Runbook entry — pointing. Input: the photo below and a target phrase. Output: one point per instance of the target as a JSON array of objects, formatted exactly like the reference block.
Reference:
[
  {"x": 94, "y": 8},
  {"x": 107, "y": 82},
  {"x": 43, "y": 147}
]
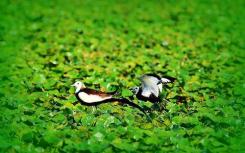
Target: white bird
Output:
[{"x": 151, "y": 87}]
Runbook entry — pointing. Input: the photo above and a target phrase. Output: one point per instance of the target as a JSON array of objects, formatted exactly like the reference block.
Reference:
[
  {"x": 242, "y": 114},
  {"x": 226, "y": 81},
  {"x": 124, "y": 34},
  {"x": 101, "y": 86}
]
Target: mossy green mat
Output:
[{"x": 47, "y": 45}]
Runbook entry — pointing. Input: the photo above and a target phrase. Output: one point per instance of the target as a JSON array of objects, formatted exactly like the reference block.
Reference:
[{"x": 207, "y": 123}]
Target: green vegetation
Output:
[{"x": 47, "y": 45}]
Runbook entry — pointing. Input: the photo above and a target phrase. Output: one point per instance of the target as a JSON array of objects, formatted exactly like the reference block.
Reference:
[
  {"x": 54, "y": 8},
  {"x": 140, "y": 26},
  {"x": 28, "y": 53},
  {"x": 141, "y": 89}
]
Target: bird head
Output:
[
  {"x": 135, "y": 90},
  {"x": 78, "y": 85}
]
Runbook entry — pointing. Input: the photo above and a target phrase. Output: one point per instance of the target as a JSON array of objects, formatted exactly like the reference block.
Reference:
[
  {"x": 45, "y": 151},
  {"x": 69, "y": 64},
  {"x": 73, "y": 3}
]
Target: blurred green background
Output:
[{"x": 46, "y": 45}]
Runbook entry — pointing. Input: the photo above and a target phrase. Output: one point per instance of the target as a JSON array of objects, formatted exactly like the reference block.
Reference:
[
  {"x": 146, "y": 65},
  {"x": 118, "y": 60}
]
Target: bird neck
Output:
[
  {"x": 138, "y": 90},
  {"x": 78, "y": 89}
]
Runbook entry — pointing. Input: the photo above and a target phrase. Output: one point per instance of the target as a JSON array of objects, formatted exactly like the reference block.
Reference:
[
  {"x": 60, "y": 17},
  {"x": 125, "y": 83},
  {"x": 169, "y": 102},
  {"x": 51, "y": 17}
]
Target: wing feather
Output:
[{"x": 150, "y": 85}]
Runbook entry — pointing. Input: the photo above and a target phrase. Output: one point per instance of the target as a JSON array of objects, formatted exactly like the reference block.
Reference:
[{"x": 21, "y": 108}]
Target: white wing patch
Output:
[
  {"x": 164, "y": 80},
  {"x": 146, "y": 92},
  {"x": 150, "y": 89},
  {"x": 152, "y": 85},
  {"x": 150, "y": 80},
  {"x": 155, "y": 90},
  {"x": 91, "y": 98},
  {"x": 160, "y": 87},
  {"x": 149, "y": 85}
]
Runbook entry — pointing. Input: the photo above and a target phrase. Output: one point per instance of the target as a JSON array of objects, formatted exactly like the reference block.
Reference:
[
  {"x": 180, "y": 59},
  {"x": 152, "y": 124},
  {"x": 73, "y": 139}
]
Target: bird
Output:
[
  {"x": 151, "y": 87},
  {"x": 91, "y": 97}
]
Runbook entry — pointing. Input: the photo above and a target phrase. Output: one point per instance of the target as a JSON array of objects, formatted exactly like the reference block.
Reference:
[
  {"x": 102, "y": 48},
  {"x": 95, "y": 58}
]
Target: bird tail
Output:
[{"x": 130, "y": 103}]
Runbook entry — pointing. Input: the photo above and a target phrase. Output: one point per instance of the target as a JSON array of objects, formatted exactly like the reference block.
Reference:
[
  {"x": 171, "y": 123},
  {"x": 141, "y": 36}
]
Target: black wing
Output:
[
  {"x": 172, "y": 79},
  {"x": 153, "y": 75}
]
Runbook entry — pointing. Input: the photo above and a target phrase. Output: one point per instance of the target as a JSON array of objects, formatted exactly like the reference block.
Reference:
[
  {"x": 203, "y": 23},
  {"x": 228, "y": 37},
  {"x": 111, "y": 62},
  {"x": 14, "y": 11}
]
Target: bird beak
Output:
[{"x": 73, "y": 85}]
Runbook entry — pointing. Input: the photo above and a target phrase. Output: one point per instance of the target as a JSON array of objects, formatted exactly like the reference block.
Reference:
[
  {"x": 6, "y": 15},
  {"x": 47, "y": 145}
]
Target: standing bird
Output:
[
  {"x": 91, "y": 97},
  {"x": 151, "y": 87}
]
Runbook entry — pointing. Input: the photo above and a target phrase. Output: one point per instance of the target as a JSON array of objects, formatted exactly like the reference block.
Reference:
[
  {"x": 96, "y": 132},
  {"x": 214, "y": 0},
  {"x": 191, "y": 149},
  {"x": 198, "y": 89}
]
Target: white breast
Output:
[
  {"x": 160, "y": 87},
  {"x": 146, "y": 92},
  {"x": 91, "y": 98}
]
